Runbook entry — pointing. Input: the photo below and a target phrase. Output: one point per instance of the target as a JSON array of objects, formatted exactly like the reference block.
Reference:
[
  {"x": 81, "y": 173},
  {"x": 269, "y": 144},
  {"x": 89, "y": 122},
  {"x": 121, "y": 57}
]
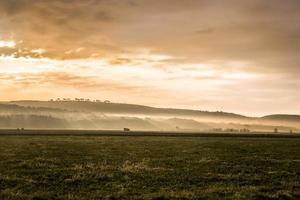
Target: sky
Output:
[{"x": 235, "y": 56}]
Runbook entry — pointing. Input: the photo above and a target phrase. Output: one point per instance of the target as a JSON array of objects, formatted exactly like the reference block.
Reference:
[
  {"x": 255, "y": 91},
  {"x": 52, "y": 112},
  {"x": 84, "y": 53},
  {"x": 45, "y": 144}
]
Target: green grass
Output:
[{"x": 89, "y": 167}]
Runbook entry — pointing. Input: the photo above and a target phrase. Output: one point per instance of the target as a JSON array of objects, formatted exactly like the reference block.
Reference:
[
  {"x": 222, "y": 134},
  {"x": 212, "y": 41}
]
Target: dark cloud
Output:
[
  {"x": 58, "y": 26},
  {"x": 12, "y": 7}
]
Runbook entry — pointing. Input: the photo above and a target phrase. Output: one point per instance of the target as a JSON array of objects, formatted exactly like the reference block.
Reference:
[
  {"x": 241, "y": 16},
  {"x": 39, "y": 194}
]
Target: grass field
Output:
[{"x": 91, "y": 167}]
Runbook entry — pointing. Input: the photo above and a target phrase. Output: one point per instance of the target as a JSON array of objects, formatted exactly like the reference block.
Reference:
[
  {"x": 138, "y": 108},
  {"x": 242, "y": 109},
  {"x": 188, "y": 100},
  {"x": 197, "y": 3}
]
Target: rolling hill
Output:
[{"x": 101, "y": 115}]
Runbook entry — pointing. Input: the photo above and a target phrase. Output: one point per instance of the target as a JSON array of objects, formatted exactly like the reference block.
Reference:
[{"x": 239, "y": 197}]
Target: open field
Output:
[
  {"x": 161, "y": 167},
  {"x": 70, "y": 132}
]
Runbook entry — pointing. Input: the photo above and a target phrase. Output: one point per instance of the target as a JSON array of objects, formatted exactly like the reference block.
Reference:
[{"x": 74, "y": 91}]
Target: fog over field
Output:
[{"x": 87, "y": 114}]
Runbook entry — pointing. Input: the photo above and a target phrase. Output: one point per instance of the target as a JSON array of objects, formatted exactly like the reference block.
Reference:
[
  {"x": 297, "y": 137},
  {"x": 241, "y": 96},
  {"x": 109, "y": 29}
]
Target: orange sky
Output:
[{"x": 237, "y": 56}]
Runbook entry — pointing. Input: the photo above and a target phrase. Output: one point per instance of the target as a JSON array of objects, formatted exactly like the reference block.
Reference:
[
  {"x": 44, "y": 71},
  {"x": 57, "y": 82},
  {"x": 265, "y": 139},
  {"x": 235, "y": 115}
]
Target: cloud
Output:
[
  {"x": 85, "y": 83},
  {"x": 47, "y": 85},
  {"x": 254, "y": 31},
  {"x": 7, "y": 44},
  {"x": 57, "y": 26},
  {"x": 205, "y": 31},
  {"x": 12, "y": 7},
  {"x": 163, "y": 43}
]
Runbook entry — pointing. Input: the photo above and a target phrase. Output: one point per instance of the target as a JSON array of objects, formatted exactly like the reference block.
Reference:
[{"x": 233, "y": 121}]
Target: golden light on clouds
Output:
[
  {"x": 8, "y": 44},
  {"x": 238, "y": 56}
]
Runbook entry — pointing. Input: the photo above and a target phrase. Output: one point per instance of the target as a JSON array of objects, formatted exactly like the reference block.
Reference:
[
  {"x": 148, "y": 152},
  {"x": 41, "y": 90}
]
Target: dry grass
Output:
[{"x": 87, "y": 167}]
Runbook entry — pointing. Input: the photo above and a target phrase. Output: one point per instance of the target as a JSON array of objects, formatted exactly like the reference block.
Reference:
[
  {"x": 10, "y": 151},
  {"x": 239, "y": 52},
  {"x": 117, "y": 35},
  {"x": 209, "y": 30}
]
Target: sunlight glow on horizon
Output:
[{"x": 139, "y": 83}]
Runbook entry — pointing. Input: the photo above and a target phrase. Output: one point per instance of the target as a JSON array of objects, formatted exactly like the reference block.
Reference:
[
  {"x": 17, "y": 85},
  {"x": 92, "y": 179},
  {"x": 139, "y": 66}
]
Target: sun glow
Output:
[{"x": 8, "y": 44}]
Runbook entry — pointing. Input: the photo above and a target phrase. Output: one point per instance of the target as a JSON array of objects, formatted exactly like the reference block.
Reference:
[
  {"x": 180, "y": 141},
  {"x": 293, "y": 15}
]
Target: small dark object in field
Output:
[
  {"x": 275, "y": 130},
  {"x": 231, "y": 130},
  {"x": 126, "y": 129}
]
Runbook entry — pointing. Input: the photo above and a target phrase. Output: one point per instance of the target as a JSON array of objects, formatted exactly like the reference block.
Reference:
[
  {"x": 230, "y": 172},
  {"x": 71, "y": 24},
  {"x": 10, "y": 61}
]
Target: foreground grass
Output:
[{"x": 78, "y": 167}]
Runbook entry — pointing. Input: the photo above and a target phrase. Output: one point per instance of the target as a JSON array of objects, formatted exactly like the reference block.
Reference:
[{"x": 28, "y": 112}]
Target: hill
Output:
[
  {"x": 282, "y": 117},
  {"x": 101, "y": 115},
  {"x": 121, "y": 108}
]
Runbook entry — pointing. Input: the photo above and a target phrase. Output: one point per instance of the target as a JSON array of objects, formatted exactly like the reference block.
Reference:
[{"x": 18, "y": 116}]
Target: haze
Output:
[{"x": 235, "y": 56}]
